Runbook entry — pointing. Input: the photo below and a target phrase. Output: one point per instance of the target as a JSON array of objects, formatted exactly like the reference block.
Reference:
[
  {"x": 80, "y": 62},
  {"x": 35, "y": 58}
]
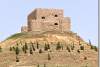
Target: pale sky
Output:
[{"x": 83, "y": 13}]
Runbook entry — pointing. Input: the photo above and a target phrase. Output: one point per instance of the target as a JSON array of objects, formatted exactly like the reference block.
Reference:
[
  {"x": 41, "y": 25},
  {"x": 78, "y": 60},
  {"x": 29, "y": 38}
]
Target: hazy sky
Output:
[{"x": 83, "y": 13}]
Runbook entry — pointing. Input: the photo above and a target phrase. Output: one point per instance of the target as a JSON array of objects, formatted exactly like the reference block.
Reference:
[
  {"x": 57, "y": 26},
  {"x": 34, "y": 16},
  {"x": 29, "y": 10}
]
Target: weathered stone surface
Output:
[{"x": 43, "y": 20}]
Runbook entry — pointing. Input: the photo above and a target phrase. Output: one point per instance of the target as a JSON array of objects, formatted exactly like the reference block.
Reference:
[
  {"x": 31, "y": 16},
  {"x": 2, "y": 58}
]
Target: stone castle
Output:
[{"x": 42, "y": 20}]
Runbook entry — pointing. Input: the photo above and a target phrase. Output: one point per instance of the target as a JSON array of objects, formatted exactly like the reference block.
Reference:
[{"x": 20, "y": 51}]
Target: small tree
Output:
[
  {"x": 72, "y": 47},
  {"x": 17, "y": 44},
  {"x": 45, "y": 47},
  {"x": 33, "y": 47},
  {"x": 81, "y": 47},
  {"x": 21, "y": 43},
  {"x": 10, "y": 49},
  {"x": 31, "y": 52},
  {"x": 40, "y": 51},
  {"x": 80, "y": 43},
  {"x": 26, "y": 47},
  {"x": 68, "y": 49},
  {"x": 0, "y": 49},
  {"x": 38, "y": 65},
  {"x": 89, "y": 42},
  {"x": 49, "y": 57},
  {"x": 78, "y": 51},
  {"x": 14, "y": 48},
  {"x": 85, "y": 58},
  {"x": 37, "y": 45},
  {"x": 44, "y": 65},
  {"x": 92, "y": 47},
  {"x": 58, "y": 47},
  {"x": 24, "y": 50},
  {"x": 17, "y": 59},
  {"x": 48, "y": 46},
  {"x": 96, "y": 49},
  {"x": 17, "y": 50},
  {"x": 62, "y": 47}
]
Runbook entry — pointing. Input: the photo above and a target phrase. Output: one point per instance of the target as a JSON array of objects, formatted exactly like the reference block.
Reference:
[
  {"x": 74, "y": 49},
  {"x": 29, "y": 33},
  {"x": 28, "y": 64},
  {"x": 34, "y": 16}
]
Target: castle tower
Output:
[{"x": 42, "y": 20}]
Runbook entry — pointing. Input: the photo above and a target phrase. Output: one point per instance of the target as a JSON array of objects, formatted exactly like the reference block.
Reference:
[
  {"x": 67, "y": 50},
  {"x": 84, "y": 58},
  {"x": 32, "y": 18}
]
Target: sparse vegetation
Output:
[
  {"x": 67, "y": 48},
  {"x": 24, "y": 50},
  {"x": 11, "y": 49},
  {"x": 33, "y": 47},
  {"x": 26, "y": 47},
  {"x": 58, "y": 47},
  {"x": 90, "y": 42},
  {"x": 49, "y": 57},
  {"x": 94, "y": 48},
  {"x": 44, "y": 65},
  {"x": 78, "y": 51},
  {"x": 17, "y": 59},
  {"x": 46, "y": 47},
  {"x": 37, "y": 44},
  {"x": 72, "y": 47},
  {"x": 16, "y": 35},
  {"x": 17, "y": 50},
  {"x": 0, "y": 49},
  {"x": 31, "y": 52},
  {"x": 81, "y": 47},
  {"x": 38, "y": 65},
  {"x": 85, "y": 58},
  {"x": 40, "y": 51}
]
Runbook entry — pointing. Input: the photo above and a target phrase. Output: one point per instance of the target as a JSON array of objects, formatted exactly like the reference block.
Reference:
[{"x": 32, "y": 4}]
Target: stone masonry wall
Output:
[
  {"x": 48, "y": 20},
  {"x": 24, "y": 29}
]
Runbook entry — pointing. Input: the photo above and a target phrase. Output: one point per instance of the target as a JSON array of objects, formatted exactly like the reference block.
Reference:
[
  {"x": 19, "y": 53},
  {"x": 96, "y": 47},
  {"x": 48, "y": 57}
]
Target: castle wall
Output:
[
  {"x": 49, "y": 13},
  {"x": 48, "y": 20},
  {"x": 66, "y": 24},
  {"x": 24, "y": 29},
  {"x": 35, "y": 25},
  {"x": 32, "y": 15},
  {"x": 50, "y": 25}
]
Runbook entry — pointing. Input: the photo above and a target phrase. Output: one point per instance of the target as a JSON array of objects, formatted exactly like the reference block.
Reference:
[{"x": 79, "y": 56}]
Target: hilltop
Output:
[
  {"x": 47, "y": 41},
  {"x": 72, "y": 52}
]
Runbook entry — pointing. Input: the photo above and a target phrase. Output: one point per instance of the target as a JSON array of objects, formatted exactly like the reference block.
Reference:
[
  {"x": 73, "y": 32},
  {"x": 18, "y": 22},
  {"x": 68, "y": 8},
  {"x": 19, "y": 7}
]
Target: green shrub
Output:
[
  {"x": 46, "y": 47},
  {"x": 94, "y": 47},
  {"x": 81, "y": 47},
  {"x": 24, "y": 50},
  {"x": 26, "y": 47},
  {"x": 78, "y": 51},
  {"x": 0, "y": 49},
  {"x": 72, "y": 47},
  {"x": 17, "y": 50},
  {"x": 67, "y": 48},
  {"x": 49, "y": 57},
  {"x": 31, "y": 52},
  {"x": 40, "y": 51},
  {"x": 33, "y": 47},
  {"x": 17, "y": 59},
  {"x": 44, "y": 65},
  {"x": 37, "y": 45},
  {"x": 38, "y": 65},
  {"x": 85, "y": 58},
  {"x": 58, "y": 47},
  {"x": 10, "y": 49}
]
